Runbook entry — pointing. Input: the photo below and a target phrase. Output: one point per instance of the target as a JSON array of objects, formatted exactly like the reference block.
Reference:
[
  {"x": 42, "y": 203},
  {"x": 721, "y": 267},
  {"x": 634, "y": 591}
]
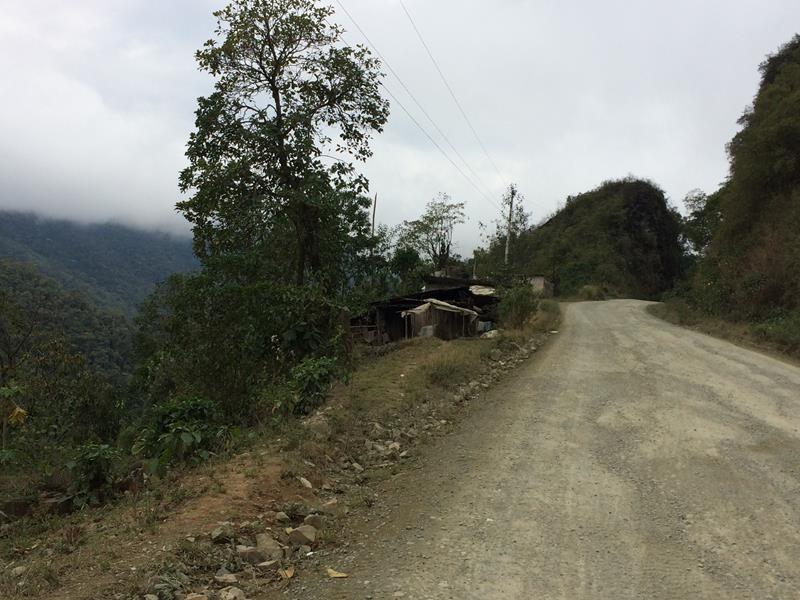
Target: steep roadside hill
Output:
[{"x": 751, "y": 271}]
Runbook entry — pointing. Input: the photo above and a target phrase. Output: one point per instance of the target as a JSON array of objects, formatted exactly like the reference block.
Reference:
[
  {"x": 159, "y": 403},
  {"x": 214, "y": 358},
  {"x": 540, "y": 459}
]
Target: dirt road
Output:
[{"x": 632, "y": 459}]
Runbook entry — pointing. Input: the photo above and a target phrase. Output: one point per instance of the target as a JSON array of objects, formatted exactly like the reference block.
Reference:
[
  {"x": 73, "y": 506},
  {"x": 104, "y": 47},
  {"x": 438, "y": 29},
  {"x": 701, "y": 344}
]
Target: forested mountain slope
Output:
[
  {"x": 751, "y": 269},
  {"x": 621, "y": 236},
  {"x": 35, "y": 310},
  {"x": 116, "y": 265}
]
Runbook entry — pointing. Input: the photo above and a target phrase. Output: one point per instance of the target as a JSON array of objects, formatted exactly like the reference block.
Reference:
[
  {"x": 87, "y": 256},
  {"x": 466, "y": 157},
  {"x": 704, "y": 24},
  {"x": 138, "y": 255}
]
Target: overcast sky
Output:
[{"x": 98, "y": 99}]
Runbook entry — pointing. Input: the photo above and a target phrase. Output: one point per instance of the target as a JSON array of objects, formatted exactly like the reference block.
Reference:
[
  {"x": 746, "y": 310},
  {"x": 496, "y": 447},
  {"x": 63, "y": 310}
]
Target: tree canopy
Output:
[
  {"x": 431, "y": 235},
  {"x": 750, "y": 270},
  {"x": 270, "y": 181}
]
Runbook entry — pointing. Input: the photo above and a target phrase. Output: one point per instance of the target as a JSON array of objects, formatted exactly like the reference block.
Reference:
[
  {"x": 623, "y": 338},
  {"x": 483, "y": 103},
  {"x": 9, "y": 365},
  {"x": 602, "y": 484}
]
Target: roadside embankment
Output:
[{"x": 255, "y": 520}]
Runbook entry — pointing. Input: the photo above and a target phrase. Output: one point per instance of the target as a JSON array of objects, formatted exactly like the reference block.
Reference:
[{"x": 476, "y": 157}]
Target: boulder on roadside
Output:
[
  {"x": 269, "y": 566},
  {"x": 269, "y": 547},
  {"x": 332, "y": 508},
  {"x": 223, "y": 533},
  {"x": 250, "y": 554},
  {"x": 305, "y": 535},
  {"x": 315, "y": 520},
  {"x": 231, "y": 593}
]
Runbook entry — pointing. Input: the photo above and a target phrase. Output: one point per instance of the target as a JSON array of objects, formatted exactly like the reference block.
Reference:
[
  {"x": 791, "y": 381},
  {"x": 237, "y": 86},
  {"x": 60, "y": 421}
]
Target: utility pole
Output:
[
  {"x": 374, "y": 208},
  {"x": 512, "y": 191}
]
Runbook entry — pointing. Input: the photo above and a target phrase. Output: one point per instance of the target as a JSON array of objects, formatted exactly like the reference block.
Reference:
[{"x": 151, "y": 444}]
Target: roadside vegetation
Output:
[
  {"x": 743, "y": 241},
  {"x": 101, "y": 412},
  {"x": 99, "y": 408},
  {"x": 401, "y": 394}
]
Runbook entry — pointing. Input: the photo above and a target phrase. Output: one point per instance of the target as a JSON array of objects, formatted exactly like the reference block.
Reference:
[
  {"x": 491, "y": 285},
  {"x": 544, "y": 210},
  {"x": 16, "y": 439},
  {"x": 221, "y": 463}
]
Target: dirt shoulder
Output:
[
  {"x": 324, "y": 470},
  {"x": 740, "y": 334}
]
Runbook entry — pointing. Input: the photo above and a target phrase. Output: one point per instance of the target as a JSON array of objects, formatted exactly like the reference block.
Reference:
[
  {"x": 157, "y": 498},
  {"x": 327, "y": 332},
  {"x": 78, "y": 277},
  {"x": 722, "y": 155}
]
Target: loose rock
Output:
[
  {"x": 268, "y": 547},
  {"x": 305, "y": 535},
  {"x": 269, "y": 566},
  {"x": 231, "y": 593},
  {"x": 316, "y": 521},
  {"x": 250, "y": 554},
  {"x": 223, "y": 533}
]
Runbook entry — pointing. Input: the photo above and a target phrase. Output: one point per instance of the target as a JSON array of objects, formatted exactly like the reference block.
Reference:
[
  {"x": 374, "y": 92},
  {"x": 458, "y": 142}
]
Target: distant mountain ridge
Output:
[{"x": 117, "y": 266}]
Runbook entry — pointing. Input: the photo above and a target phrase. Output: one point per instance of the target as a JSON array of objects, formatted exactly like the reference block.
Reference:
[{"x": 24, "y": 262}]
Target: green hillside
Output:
[
  {"x": 750, "y": 270},
  {"x": 116, "y": 265},
  {"x": 756, "y": 248},
  {"x": 621, "y": 236},
  {"x": 62, "y": 359},
  {"x": 32, "y": 301}
]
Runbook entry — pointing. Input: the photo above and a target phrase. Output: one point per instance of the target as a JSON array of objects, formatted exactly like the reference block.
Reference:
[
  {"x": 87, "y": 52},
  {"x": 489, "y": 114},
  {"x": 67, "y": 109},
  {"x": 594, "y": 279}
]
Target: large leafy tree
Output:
[
  {"x": 432, "y": 234},
  {"x": 272, "y": 186}
]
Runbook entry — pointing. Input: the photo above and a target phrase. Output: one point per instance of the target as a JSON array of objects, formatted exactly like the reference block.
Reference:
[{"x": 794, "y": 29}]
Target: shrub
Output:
[
  {"x": 94, "y": 472},
  {"x": 268, "y": 330},
  {"x": 310, "y": 382},
  {"x": 592, "y": 292},
  {"x": 517, "y": 306},
  {"x": 183, "y": 429},
  {"x": 550, "y": 307},
  {"x": 783, "y": 330},
  {"x": 447, "y": 370}
]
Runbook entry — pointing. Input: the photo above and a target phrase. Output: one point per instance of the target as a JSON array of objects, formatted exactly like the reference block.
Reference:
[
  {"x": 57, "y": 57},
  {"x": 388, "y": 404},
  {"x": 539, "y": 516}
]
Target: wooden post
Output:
[{"x": 513, "y": 193}]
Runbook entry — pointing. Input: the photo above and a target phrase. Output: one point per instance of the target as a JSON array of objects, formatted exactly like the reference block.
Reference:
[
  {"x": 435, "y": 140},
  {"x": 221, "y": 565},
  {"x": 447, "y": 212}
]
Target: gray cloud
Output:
[{"x": 99, "y": 96}]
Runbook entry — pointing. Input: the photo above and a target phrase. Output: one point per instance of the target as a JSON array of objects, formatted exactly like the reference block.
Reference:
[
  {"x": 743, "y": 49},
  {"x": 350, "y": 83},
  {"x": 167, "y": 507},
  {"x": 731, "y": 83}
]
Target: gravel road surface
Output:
[{"x": 630, "y": 459}]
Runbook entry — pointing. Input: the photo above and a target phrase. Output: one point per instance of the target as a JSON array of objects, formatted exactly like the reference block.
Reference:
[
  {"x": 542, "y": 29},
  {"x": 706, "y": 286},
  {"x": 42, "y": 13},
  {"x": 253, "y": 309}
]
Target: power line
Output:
[
  {"x": 424, "y": 112},
  {"x": 449, "y": 88},
  {"x": 438, "y": 147}
]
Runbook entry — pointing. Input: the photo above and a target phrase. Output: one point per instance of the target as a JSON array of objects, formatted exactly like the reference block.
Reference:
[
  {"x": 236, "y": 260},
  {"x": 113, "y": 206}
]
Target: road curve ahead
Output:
[{"x": 633, "y": 459}]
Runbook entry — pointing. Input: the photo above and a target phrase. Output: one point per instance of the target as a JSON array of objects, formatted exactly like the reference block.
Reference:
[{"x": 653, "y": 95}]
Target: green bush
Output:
[
  {"x": 310, "y": 382},
  {"x": 184, "y": 429},
  {"x": 550, "y": 307},
  {"x": 592, "y": 292},
  {"x": 267, "y": 330},
  {"x": 95, "y": 473},
  {"x": 517, "y": 306},
  {"x": 783, "y": 329}
]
